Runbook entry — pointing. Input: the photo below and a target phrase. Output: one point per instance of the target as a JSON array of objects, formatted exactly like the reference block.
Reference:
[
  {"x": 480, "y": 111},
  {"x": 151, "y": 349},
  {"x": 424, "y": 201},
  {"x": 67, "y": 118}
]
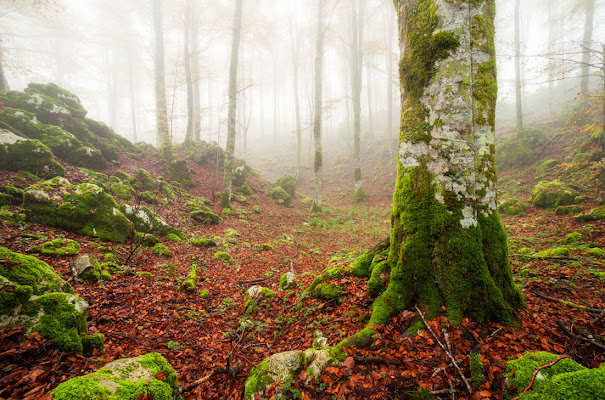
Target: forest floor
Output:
[{"x": 145, "y": 312}]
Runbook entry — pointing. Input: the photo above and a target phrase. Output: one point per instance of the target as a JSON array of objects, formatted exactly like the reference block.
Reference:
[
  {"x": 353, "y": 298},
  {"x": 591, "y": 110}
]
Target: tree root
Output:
[
  {"x": 587, "y": 339},
  {"x": 468, "y": 386},
  {"x": 533, "y": 377},
  {"x": 569, "y": 303}
]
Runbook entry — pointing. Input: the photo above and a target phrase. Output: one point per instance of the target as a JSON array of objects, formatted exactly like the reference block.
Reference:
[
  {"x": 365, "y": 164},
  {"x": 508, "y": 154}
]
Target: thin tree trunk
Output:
[
  {"x": 295, "y": 52},
  {"x": 133, "y": 116},
  {"x": 210, "y": 109},
  {"x": 318, "y": 162},
  {"x": 3, "y": 81},
  {"x": 195, "y": 73},
  {"x": 162, "y": 135},
  {"x": 389, "y": 41},
  {"x": 369, "y": 86},
  {"x": 518, "y": 97},
  {"x": 587, "y": 40},
  {"x": 230, "y": 147},
  {"x": 356, "y": 64},
  {"x": 275, "y": 66},
  {"x": 552, "y": 6},
  {"x": 188, "y": 78}
]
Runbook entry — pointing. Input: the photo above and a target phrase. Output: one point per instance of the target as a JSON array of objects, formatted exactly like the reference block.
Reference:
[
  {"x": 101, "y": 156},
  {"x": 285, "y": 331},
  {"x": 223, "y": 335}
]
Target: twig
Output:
[
  {"x": 218, "y": 370},
  {"x": 468, "y": 386},
  {"x": 569, "y": 303},
  {"x": 494, "y": 333},
  {"x": 578, "y": 337},
  {"x": 376, "y": 360},
  {"x": 533, "y": 377}
]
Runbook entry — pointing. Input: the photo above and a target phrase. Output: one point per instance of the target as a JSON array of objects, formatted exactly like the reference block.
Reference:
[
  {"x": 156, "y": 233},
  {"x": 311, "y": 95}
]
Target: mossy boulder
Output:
[
  {"x": 205, "y": 215},
  {"x": 84, "y": 209},
  {"x": 149, "y": 197},
  {"x": 288, "y": 183},
  {"x": 148, "y": 221},
  {"x": 144, "y": 180},
  {"x": 122, "y": 191},
  {"x": 10, "y": 195},
  {"x": 205, "y": 153},
  {"x": 519, "y": 148},
  {"x": 567, "y": 210},
  {"x": 34, "y": 295},
  {"x": 147, "y": 376},
  {"x": 88, "y": 268},
  {"x": 257, "y": 296},
  {"x": 594, "y": 214},
  {"x": 146, "y": 239},
  {"x": 573, "y": 237},
  {"x": 328, "y": 291},
  {"x": 565, "y": 380},
  {"x": 281, "y": 196},
  {"x": 552, "y": 194},
  {"x": 512, "y": 207},
  {"x": 287, "y": 281},
  {"x": 203, "y": 242},
  {"x": 54, "y": 92},
  {"x": 178, "y": 171},
  {"x": 161, "y": 250},
  {"x": 18, "y": 153},
  {"x": 56, "y": 247},
  {"x": 222, "y": 256}
]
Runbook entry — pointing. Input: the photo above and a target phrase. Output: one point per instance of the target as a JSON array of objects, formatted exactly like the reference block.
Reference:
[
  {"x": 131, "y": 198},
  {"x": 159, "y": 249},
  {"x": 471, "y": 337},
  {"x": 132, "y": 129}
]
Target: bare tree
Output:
[
  {"x": 318, "y": 162},
  {"x": 295, "y": 39},
  {"x": 518, "y": 89},
  {"x": 188, "y": 76},
  {"x": 587, "y": 42},
  {"x": 230, "y": 148},
  {"x": 162, "y": 136},
  {"x": 356, "y": 66}
]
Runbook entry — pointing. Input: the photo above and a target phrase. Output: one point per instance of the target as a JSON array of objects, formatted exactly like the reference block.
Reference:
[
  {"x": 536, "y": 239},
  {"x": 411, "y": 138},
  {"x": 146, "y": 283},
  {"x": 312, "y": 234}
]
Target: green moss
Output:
[
  {"x": 31, "y": 156},
  {"x": 258, "y": 380},
  {"x": 512, "y": 207},
  {"x": 91, "y": 342},
  {"x": 144, "y": 180},
  {"x": 203, "y": 242},
  {"x": 147, "y": 220},
  {"x": 106, "y": 275},
  {"x": 594, "y": 214},
  {"x": 265, "y": 247},
  {"x": 122, "y": 191},
  {"x": 124, "y": 177},
  {"x": 29, "y": 271},
  {"x": 205, "y": 215},
  {"x": 149, "y": 197},
  {"x": 286, "y": 281},
  {"x": 477, "y": 370},
  {"x": 597, "y": 252},
  {"x": 57, "y": 247},
  {"x": 190, "y": 283},
  {"x": 573, "y": 237},
  {"x": 281, "y": 196},
  {"x": 329, "y": 292},
  {"x": 222, "y": 256},
  {"x": 178, "y": 171},
  {"x": 567, "y": 210},
  {"x": 162, "y": 250},
  {"x": 173, "y": 238},
  {"x": 552, "y": 194},
  {"x": 518, "y": 149},
  {"x": 378, "y": 279},
  {"x": 288, "y": 183},
  {"x": 359, "y": 196},
  {"x": 204, "y": 294}
]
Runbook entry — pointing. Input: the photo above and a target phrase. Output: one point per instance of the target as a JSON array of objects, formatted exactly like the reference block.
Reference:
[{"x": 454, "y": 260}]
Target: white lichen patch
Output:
[
  {"x": 36, "y": 99},
  {"x": 7, "y": 137},
  {"x": 19, "y": 114},
  {"x": 35, "y": 120},
  {"x": 253, "y": 291},
  {"x": 469, "y": 217},
  {"x": 38, "y": 195},
  {"x": 59, "y": 110}
]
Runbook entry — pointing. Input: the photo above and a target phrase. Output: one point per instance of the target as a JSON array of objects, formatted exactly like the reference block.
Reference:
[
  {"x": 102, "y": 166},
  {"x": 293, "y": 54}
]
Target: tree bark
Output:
[
  {"x": 133, "y": 116},
  {"x": 356, "y": 66},
  {"x": 552, "y": 29},
  {"x": 196, "y": 119},
  {"x": 188, "y": 78},
  {"x": 448, "y": 246},
  {"x": 162, "y": 135},
  {"x": 518, "y": 89},
  {"x": 318, "y": 162},
  {"x": 587, "y": 41},
  {"x": 4, "y": 87},
  {"x": 389, "y": 42},
  {"x": 230, "y": 147},
  {"x": 295, "y": 39}
]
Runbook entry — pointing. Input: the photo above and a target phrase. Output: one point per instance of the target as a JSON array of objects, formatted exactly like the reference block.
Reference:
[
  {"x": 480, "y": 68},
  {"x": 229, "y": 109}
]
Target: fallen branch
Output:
[
  {"x": 569, "y": 303},
  {"x": 218, "y": 370},
  {"x": 74, "y": 272},
  {"x": 533, "y": 377},
  {"x": 468, "y": 386},
  {"x": 578, "y": 337},
  {"x": 376, "y": 360}
]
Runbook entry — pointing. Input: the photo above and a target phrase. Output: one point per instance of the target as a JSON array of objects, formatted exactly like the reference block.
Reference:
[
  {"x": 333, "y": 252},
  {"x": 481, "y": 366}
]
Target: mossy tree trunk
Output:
[
  {"x": 448, "y": 246},
  {"x": 188, "y": 78},
  {"x": 196, "y": 119},
  {"x": 318, "y": 162},
  {"x": 230, "y": 148},
  {"x": 162, "y": 134}
]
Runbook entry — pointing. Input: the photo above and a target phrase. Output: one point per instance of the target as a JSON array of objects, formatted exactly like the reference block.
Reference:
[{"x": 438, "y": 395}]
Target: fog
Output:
[{"x": 103, "y": 51}]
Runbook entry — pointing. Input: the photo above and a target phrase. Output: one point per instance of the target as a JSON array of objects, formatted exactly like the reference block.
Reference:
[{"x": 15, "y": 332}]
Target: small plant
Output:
[{"x": 173, "y": 345}]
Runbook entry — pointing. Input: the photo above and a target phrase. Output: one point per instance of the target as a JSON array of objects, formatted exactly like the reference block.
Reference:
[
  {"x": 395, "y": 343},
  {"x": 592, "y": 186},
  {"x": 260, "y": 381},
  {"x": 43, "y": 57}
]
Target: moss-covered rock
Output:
[
  {"x": 56, "y": 247},
  {"x": 149, "y": 376},
  {"x": 257, "y": 296},
  {"x": 161, "y": 250},
  {"x": 287, "y": 281},
  {"x": 222, "y": 256},
  {"x": 552, "y": 194},
  {"x": 88, "y": 268},
  {"x": 519, "y": 148},
  {"x": 595, "y": 251},
  {"x": 84, "y": 209},
  {"x": 146, "y": 239},
  {"x": 573, "y": 237},
  {"x": 205, "y": 215},
  {"x": 203, "y": 242},
  {"x": 148, "y": 221},
  {"x": 512, "y": 207},
  {"x": 10, "y": 195},
  {"x": 204, "y": 294},
  {"x": 178, "y": 171},
  {"x": 566, "y": 379},
  {"x": 328, "y": 291},
  {"x": 190, "y": 283},
  {"x": 281, "y": 196},
  {"x": 149, "y": 197},
  {"x": 205, "y": 153},
  {"x": 567, "y": 210},
  {"x": 18, "y": 153},
  {"x": 594, "y": 214},
  {"x": 288, "y": 183},
  {"x": 144, "y": 180}
]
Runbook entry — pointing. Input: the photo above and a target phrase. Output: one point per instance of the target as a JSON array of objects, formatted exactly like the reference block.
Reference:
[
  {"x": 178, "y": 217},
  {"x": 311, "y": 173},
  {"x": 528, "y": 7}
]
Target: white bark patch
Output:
[{"x": 469, "y": 218}]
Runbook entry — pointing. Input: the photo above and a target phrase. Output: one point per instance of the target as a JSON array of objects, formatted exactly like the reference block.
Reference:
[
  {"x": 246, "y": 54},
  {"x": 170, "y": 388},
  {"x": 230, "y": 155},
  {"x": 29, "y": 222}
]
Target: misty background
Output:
[{"x": 102, "y": 50}]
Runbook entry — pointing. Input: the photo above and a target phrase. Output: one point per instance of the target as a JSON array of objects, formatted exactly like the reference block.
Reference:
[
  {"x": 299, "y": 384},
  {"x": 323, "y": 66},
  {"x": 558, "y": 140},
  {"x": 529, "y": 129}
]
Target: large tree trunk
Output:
[
  {"x": 133, "y": 115},
  {"x": 318, "y": 162},
  {"x": 162, "y": 135},
  {"x": 188, "y": 78},
  {"x": 518, "y": 94},
  {"x": 587, "y": 41},
  {"x": 230, "y": 148},
  {"x": 448, "y": 246},
  {"x": 552, "y": 30},
  {"x": 356, "y": 63},
  {"x": 389, "y": 53}
]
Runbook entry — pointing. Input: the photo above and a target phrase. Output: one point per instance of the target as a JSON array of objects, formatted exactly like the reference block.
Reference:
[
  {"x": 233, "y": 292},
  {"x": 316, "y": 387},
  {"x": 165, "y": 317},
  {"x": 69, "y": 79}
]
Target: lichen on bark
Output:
[{"x": 448, "y": 245}]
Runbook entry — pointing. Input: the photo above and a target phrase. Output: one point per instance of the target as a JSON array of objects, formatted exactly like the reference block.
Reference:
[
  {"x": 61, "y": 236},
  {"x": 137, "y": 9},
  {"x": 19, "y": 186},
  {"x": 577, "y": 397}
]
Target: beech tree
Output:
[
  {"x": 162, "y": 135},
  {"x": 318, "y": 160},
  {"x": 518, "y": 97},
  {"x": 448, "y": 246},
  {"x": 230, "y": 148},
  {"x": 587, "y": 43},
  {"x": 356, "y": 66}
]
